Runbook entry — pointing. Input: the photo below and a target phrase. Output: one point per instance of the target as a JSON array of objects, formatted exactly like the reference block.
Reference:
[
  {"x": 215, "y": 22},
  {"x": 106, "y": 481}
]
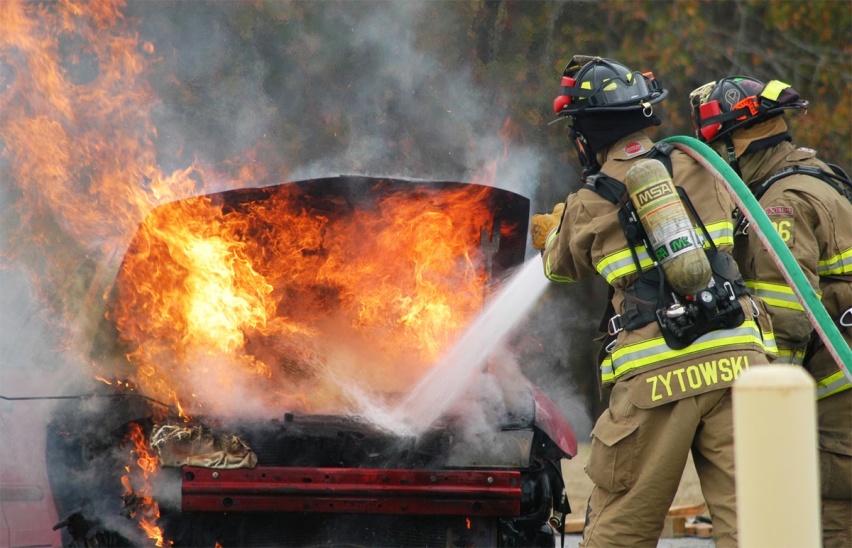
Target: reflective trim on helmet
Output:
[
  {"x": 620, "y": 91},
  {"x": 653, "y": 351},
  {"x": 616, "y": 89},
  {"x": 773, "y": 89},
  {"x": 719, "y": 108}
]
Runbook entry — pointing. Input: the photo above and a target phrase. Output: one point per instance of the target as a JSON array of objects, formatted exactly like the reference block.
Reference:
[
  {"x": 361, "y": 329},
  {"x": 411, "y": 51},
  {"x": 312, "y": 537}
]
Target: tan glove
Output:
[{"x": 543, "y": 223}]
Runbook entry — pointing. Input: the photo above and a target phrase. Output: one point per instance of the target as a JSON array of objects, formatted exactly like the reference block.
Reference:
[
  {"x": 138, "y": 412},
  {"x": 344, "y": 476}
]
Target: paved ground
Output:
[{"x": 572, "y": 541}]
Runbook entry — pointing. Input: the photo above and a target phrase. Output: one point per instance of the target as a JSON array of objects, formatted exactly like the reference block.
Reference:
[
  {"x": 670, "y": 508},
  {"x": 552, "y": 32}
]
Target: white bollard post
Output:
[{"x": 775, "y": 454}]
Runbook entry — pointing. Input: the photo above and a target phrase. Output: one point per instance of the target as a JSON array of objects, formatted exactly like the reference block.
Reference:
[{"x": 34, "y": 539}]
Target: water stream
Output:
[{"x": 453, "y": 374}]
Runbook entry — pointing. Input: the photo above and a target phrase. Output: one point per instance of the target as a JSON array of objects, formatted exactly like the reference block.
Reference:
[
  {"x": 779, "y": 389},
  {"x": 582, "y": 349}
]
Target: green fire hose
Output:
[{"x": 773, "y": 243}]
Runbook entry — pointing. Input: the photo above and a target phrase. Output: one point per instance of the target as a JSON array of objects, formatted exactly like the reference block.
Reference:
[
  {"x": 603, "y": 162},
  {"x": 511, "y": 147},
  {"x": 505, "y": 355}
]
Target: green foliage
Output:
[{"x": 522, "y": 46}]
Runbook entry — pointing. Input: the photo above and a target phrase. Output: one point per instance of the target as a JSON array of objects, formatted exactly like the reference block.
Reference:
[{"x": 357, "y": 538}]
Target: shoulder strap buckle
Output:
[
  {"x": 663, "y": 148},
  {"x": 615, "y": 326},
  {"x": 843, "y": 320}
]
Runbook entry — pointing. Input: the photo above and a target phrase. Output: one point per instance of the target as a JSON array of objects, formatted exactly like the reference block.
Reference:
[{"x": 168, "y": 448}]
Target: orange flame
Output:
[
  {"x": 79, "y": 143},
  {"x": 199, "y": 300},
  {"x": 137, "y": 487},
  {"x": 287, "y": 297},
  {"x": 273, "y": 290}
]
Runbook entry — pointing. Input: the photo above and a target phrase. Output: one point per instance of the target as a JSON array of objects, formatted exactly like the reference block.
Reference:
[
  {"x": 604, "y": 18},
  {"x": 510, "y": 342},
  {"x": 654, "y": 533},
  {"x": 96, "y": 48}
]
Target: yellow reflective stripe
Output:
[
  {"x": 619, "y": 264},
  {"x": 548, "y": 273},
  {"x": 634, "y": 356},
  {"x": 548, "y": 270},
  {"x": 840, "y": 264},
  {"x": 550, "y": 235},
  {"x": 773, "y": 89},
  {"x": 721, "y": 232},
  {"x": 769, "y": 342},
  {"x": 832, "y": 384},
  {"x": 777, "y": 295},
  {"x": 790, "y": 356}
]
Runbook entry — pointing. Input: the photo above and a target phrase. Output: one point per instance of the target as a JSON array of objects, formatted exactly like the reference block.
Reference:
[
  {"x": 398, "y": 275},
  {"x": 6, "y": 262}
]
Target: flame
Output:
[
  {"x": 283, "y": 300},
  {"x": 205, "y": 303},
  {"x": 137, "y": 487},
  {"x": 77, "y": 145},
  {"x": 271, "y": 291}
]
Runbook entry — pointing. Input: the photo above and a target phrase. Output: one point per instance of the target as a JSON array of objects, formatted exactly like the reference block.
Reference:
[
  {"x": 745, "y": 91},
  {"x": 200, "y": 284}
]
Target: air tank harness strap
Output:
[
  {"x": 838, "y": 180},
  {"x": 642, "y": 299},
  {"x": 777, "y": 248},
  {"x": 844, "y": 321}
]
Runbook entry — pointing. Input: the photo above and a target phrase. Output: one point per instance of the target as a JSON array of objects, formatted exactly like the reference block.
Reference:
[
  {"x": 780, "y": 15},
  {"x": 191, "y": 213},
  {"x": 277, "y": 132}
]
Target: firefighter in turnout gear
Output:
[
  {"x": 810, "y": 204},
  {"x": 669, "y": 359}
]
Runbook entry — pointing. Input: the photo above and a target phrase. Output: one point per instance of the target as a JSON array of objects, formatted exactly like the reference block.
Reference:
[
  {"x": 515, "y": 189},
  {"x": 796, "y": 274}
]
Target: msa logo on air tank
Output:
[{"x": 652, "y": 193}]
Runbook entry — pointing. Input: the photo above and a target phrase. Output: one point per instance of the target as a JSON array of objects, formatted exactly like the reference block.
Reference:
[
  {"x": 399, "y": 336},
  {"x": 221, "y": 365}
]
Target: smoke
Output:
[
  {"x": 316, "y": 90},
  {"x": 282, "y": 91},
  {"x": 331, "y": 89}
]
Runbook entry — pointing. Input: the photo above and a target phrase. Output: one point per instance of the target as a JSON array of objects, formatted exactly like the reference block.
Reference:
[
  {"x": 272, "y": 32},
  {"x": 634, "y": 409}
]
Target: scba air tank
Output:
[{"x": 675, "y": 244}]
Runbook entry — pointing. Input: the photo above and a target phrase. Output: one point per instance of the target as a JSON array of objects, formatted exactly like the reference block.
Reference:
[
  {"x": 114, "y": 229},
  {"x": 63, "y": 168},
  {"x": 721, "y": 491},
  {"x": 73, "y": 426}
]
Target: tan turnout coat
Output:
[{"x": 590, "y": 241}]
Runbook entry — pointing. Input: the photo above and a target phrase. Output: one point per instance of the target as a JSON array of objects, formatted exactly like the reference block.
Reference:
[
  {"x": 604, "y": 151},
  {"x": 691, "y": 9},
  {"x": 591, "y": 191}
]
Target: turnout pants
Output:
[
  {"x": 834, "y": 417},
  {"x": 637, "y": 459}
]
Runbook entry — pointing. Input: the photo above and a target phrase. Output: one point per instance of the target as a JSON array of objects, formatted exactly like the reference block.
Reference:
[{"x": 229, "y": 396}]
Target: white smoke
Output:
[{"x": 398, "y": 110}]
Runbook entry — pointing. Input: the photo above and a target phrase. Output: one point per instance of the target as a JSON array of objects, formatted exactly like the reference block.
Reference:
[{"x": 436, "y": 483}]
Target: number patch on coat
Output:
[
  {"x": 781, "y": 217},
  {"x": 785, "y": 230}
]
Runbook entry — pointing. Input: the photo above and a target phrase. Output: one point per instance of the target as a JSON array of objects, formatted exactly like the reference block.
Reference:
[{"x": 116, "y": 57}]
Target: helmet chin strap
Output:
[
  {"x": 584, "y": 152},
  {"x": 732, "y": 157}
]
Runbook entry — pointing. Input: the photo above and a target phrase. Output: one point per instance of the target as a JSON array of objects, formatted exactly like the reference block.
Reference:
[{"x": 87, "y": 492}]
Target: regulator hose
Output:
[{"x": 773, "y": 243}]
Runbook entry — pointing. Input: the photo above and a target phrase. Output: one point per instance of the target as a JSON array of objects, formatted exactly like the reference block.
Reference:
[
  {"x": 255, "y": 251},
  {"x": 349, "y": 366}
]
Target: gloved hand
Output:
[{"x": 543, "y": 223}]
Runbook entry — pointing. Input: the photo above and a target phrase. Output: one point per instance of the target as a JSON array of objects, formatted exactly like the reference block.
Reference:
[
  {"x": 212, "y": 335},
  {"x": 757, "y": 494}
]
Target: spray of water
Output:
[{"x": 451, "y": 377}]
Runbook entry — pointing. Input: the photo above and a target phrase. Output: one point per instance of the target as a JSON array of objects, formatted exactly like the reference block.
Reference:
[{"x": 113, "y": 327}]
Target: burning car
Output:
[{"x": 267, "y": 363}]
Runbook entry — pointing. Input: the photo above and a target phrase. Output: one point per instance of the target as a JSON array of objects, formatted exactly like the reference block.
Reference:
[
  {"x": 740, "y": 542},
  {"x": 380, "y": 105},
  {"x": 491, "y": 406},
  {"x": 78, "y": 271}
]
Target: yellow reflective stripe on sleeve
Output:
[
  {"x": 790, "y": 356},
  {"x": 619, "y": 264},
  {"x": 552, "y": 234},
  {"x": 777, "y": 295},
  {"x": 839, "y": 265},
  {"x": 773, "y": 89},
  {"x": 548, "y": 270},
  {"x": 833, "y": 384},
  {"x": 634, "y": 356},
  {"x": 548, "y": 273},
  {"x": 722, "y": 233}
]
